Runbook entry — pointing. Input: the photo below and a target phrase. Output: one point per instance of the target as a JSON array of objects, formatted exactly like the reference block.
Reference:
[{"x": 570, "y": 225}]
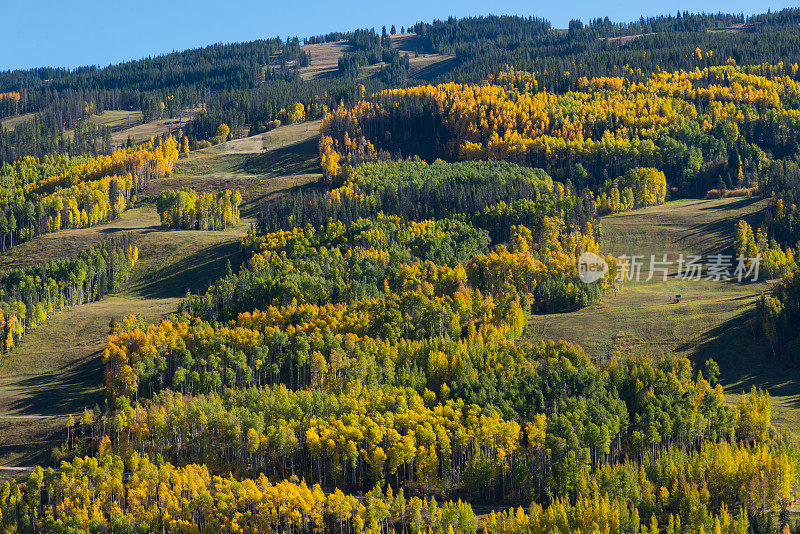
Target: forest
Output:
[
  {"x": 383, "y": 356},
  {"x": 704, "y": 129},
  {"x": 372, "y": 363},
  {"x": 56, "y": 192}
]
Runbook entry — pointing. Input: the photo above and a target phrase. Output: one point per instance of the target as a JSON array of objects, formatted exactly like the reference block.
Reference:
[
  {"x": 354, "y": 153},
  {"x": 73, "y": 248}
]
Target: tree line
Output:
[
  {"x": 29, "y": 295},
  {"x": 245, "y": 85}
]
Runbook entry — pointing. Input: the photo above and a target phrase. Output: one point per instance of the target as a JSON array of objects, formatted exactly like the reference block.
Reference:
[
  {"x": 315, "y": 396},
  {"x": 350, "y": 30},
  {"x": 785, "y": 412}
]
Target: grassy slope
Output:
[
  {"x": 129, "y": 123},
  {"x": 259, "y": 166},
  {"x": 9, "y": 123},
  {"x": 126, "y": 124},
  {"x": 325, "y": 58},
  {"x": 713, "y": 320},
  {"x": 56, "y": 370},
  {"x": 123, "y": 123}
]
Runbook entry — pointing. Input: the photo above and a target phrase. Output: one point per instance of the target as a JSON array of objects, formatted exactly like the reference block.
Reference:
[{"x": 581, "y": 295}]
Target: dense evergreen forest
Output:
[
  {"x": 246, "y": 85},
  {"x": 368, "y": 367}
]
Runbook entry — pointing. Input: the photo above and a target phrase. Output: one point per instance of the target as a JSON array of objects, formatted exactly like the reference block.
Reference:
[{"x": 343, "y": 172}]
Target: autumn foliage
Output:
[{"x": 188, "y": 210}]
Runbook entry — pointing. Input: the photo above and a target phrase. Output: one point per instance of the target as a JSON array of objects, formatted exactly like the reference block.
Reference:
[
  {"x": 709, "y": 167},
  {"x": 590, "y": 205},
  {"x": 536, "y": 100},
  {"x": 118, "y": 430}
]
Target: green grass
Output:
[
  {"x": 259, "y": 166},
  {"x": 28, "y": 443},
  {"x": 642, "y": 319},
  {"x": 172, "y": 261},
  {"x": 682, "y": 226},
  {"x": 713, "y": 320},
  {"x": 9, "y": 123},
  {"x": 117, "y": 119},
  {"x": 55, "y": 371}
]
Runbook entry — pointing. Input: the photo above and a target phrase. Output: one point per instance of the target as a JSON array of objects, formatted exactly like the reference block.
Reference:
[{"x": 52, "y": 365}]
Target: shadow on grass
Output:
[
  {"x": 24, "y": 452},
  {"x": 724, "y": 226},
  {"x": 123, "y": 229},
  {"x": 744, "y": 359},
  {"x": 430, "y": 72},
  {"x": 195, "y": 272},
  {"x": 297, "y": 158},
  {"x": 69, "y": 389},
  {"x": 738, "y": 204},
  {"x": 255, "y": 206}
]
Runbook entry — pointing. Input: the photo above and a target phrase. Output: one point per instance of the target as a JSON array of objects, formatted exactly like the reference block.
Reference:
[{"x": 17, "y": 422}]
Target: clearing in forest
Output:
[
  {"x": 423, "y": 64},
  {"x": 712, "y": 320}
]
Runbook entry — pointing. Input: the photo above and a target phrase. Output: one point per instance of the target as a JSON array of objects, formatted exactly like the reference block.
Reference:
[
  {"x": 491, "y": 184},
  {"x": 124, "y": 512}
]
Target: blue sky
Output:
[{"x": 78, "y": 32}]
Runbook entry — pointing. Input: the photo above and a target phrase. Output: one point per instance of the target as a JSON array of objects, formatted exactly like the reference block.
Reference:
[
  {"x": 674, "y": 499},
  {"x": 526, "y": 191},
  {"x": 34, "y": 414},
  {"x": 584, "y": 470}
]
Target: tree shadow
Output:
[
  {"x": 68, "y": 389},
  {"x": 122, "y": 229},
  {"x": 195, "y": 272},
  {"x": 744, "y": 359},
  {"x": 738, "y": 204},
  {"x": 35, "y": 449},
  {"x": 721, "y": 230},
  {"x": 254, "y": 206},
  {"x": 429, "y": 72},
  {"x": 297, "y": 158}
]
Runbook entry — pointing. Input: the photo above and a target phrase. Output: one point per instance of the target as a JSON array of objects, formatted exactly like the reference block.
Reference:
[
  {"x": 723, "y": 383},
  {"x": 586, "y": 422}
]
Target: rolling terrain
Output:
[
  {"x": 712, "y": 320},
  {"x": 385, "y": 324},
  {"x": 57, "y": 369}
]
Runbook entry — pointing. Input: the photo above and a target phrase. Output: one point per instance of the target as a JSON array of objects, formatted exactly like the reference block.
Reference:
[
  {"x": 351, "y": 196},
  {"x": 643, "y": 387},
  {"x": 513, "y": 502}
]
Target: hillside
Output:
[
  {"x": 713, "y": 320},
  {"x": 424, "y": 64},
  {"x": 57, "y": 369},
  {"x": 432, "y": 281}
]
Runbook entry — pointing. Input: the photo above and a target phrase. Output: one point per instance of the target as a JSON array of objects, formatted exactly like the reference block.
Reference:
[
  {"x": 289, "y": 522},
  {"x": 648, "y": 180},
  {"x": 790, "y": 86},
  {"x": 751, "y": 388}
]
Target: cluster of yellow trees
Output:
[
  {"x": 639, "y": 187},
  {"x": 85, "y": 204},
  {"x": 153, "y": 159},
  {"x": 12, "y": 328},
  {"x": 30, "y": 295},
  {"x": 601, "y": 512},
  {"x": 188, "y": 210},
  {"x": 527, "y": 262},
  {"x": 775, "y": 262},
  {"x": 52, "y": 194},
  {"x": 12, "y": 96},
  {"x": 673, "y": 121},
  {"x": 133, "y": 494}
]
